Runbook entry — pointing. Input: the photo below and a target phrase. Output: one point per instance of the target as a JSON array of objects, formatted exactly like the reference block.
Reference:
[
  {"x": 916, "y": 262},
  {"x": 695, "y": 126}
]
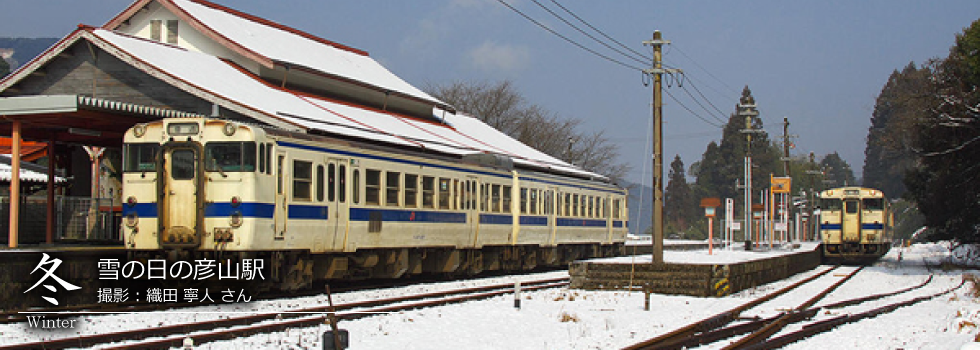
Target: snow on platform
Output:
[{"x": 719, "y": 255}]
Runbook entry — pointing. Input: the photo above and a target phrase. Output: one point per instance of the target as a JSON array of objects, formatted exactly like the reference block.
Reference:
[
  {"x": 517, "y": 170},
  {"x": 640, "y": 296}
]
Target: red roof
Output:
[{"x": 29, "y": 151}]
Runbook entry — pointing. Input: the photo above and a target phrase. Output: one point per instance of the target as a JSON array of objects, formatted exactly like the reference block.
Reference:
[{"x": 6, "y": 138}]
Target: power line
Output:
[
  {"x": 570, "y": 41},
  {"x": 560, "y": 18},
  {"x": 691, "y": 111},
  {"x": 712, "y": 114},
  {"x": 706, "y": 70},
  {"x": 648, "y": 58},
  {"x": 705, "y": 98}
]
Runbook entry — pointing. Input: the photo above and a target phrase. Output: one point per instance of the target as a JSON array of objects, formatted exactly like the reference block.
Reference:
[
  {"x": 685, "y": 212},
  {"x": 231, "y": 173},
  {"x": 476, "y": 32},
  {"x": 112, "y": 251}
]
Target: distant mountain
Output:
[
  {"x": 639, "y": 222},
  {"x": 18, "y": 51}
]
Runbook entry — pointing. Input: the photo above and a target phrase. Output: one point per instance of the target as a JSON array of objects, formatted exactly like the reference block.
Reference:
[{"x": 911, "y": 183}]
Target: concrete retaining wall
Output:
[{"x": 690, "y": 279}]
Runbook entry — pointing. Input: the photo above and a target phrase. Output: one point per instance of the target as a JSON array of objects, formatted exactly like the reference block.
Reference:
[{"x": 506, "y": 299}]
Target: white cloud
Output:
[{"x": 491, "y": 56}]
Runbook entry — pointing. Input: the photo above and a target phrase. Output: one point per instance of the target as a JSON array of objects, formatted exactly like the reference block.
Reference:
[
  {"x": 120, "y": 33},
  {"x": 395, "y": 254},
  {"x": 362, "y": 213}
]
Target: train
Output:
[
  {"x": 856, "y": 224},
  {"x": 317, "y": 207}
]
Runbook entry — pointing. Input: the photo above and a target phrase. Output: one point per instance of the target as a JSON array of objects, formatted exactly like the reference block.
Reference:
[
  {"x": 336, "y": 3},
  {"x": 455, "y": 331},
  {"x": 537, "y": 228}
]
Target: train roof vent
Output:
[{"x": 490, "y": 159}]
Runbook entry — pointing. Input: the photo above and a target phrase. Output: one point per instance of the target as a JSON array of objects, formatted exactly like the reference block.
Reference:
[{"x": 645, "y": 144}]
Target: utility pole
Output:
[
  {"x": 786, "y": 146},
  {"x": 747, "y": 109},
  {"x": 658, "y": 144}
]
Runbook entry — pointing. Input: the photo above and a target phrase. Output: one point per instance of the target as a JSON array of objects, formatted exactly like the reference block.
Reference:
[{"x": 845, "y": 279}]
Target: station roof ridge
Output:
[{"x": 271, "y": 44}]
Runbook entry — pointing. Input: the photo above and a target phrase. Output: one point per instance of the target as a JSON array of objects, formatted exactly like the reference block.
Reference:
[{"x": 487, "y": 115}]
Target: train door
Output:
[
  {"x": 851, "y": 221},
  {"x": 471, "y": 197},
  {"x": 337, "y": 196},
  {"x": 181, "y": 193},
  {"x": 282, "y": 207},
  {"x": 551, "y": 209}
]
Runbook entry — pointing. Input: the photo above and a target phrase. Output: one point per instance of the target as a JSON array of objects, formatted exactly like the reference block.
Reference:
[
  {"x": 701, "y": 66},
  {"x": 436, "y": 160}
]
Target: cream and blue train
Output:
[
  {"x": 855, "y": 224},
  {"x": 316, "y": 207}
]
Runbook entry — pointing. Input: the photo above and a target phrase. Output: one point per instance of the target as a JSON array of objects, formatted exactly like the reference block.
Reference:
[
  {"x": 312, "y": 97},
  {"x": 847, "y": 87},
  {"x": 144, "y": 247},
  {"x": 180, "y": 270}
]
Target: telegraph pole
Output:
[
  {"x": 747, "y": 109},
  {"x": 658, "y": 189}
]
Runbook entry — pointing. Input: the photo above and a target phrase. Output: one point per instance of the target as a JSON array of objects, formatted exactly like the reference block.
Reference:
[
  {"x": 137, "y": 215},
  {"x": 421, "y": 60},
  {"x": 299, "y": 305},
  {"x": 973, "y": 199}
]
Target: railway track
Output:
[
  {"x": 758, "y": 331},
  {"x": 267, "y": 322}
]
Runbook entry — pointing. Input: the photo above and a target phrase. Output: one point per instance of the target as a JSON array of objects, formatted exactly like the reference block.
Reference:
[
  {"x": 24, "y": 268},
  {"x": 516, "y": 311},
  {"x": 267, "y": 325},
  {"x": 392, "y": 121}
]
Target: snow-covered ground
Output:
[{"x": 575, "y": 319}]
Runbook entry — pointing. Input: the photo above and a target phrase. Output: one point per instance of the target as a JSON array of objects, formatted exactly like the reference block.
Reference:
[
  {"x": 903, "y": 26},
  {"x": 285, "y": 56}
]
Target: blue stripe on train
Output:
[
  {"x": 581, "y": 222},
  {"x": 534, "y": 221},
  {"x": 248, "y": 210},
  {"x": 496, "y": 219},
  {"x": 314, "y": 212},
  {"x": 863, "y": 226},
  {"x": 364, "y": 214}
]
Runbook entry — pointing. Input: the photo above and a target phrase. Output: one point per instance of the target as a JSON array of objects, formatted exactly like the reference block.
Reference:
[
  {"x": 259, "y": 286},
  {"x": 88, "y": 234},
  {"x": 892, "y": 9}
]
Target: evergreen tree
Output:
[
  {"x": 4, "y": 68},
  {"x": 836, "y": 171},
  {"x": 946, "y": 181},
  {"x": 888, "y": 155},
  {"x": 680, "y": 206}
]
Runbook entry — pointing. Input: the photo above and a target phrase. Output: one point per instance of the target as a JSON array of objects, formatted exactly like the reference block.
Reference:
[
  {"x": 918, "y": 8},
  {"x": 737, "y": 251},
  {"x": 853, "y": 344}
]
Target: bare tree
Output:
[{"x": 501, "y": 106}]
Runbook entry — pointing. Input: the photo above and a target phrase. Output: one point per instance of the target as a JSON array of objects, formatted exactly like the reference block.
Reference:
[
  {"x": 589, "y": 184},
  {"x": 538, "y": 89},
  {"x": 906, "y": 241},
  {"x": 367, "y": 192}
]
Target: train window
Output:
[
  {"x": 182, "y": 164},
  {"x": 262, "y": 159},
  {"x": 392, "y": 187},
  {"x": 457, "y": 195},
  {"x": 428, "y": 192},
  {"x": 372, "y": 187},
  {"x": 279, "y": 172},
  {"x": 591, "y": 202},
  {"x": 355, "y": 190},
  {"x": 830, "y": 204},
  {"x": 576, "y": 205},
  {"x": 444, "y": 193},
  {"x": 319, "y": 182},
  {"x": 506, "y": 199},
  {"x": 873, "y": 203},
  {"x": 331, "y": 182},
  {"x": 411, "y": 190},
  {"x": 549, "y": 203},
  {"x": 473, "y": 194},
  {"x": 533, "y": 202},
  {"x": 140, "y": 157},
  {"x": 484, "y": 196},
  {"x": 302, "y": 180},
  {"x": 495, "y": 198},
  {"x": 851, "y": 206},
  {"x": 342, "y": 187},
  {"x": 268, "y": 155},
  {"x": 568, "y": 205},
  {"x": 230, "y": 156},
  {"x": 523, "y": 201},
  {"x": 615, "y": 209}
]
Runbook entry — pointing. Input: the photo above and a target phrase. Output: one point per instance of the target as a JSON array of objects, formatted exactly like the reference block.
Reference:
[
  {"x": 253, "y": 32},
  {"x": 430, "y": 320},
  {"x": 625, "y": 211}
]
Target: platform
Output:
[{"x": 695, "y": 273}]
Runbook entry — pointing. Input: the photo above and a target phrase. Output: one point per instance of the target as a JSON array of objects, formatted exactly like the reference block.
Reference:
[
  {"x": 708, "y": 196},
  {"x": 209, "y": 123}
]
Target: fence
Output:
[{"x": 80, "y": 219}]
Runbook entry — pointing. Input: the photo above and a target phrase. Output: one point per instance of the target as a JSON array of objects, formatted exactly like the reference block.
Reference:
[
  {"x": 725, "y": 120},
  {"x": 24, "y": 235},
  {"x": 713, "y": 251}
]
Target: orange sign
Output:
[{"x": 780, "y": 184}]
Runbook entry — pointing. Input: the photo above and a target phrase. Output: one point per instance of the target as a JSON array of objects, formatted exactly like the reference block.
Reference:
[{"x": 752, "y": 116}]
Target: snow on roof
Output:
[
  {"x": 26, "y": 175},
  {"x": 280, "y": 43},
  {"x": 462, "y": 135}
]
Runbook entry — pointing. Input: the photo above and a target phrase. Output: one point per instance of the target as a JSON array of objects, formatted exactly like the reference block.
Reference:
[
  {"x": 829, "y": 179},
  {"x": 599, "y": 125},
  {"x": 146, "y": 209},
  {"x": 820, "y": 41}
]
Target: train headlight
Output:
[
  {"x": 132, "y": 219},
  {"x": 235, "y": 202},
  {"x": 139, "y": 130},
  {"x": 131, "y": 201},
  {"x": 236, "y": 219},
  {"x": 229, "y": 129}
]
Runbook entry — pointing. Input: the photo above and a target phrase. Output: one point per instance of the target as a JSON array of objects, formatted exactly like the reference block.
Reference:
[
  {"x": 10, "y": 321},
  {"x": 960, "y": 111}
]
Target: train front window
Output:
[
  {"x": 873, "y": 203},
  {"x": 230, "y": 156},
  {"x": 851, "y": 206},
  {"x": 182, "y": 164},
  {"x": 140, "y": 157},
  {"x": 830, "y": 204}
]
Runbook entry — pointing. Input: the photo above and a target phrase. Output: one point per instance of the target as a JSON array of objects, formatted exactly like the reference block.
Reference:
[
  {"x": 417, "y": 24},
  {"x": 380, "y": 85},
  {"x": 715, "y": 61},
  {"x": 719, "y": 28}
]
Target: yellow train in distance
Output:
[
  {"x": 316, "y": 207},
  {"x": 855, "y": 224}
]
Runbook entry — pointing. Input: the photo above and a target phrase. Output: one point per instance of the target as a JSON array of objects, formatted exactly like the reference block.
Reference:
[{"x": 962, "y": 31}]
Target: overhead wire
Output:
[
  {"x": 570, "y": 41},
  {"x": 617, "y": 42},
  {"x": 691, "y": 111}
]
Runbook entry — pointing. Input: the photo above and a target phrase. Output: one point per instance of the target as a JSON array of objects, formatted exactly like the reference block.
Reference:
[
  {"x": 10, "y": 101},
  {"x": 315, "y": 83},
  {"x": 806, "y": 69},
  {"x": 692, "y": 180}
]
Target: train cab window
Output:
[
  {"x": 495, "y": 198},
  {"x": 319, "y": 183},
  {"x": 342, "y": 184},
  {"x": 182, "y": 164},
  {"x": 444, "y": 194},
  {"x": 851, "y": 206},
  {"x": 428, "y": 192},
  {"x": 230, "y": 156},
  {"x": 392, "y": 188},
  {"x": 505, "y": 198},
  {"x": 873, "y": 203},
  {"x": 411, "y": 190},
  {"x": 331, "y": 182},
  {"x": 355, "y": 189},
  {"x": 302, "y": 180},
  {"x": 523, "y": 201},
  {"x": 140, "y": 157},
  {"x": 372, "y": 187},
  {"x": 830, "y": 204}
]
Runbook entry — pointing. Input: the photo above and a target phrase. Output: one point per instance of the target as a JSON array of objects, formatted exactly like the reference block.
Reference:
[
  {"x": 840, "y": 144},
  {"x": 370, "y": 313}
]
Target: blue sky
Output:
[{"x": 819, "y": 63}]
